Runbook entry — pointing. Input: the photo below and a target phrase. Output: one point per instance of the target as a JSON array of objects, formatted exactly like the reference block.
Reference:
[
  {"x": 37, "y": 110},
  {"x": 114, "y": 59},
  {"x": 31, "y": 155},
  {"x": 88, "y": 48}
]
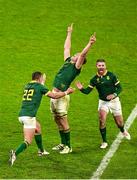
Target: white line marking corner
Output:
[{"x": 113, "y": 148}]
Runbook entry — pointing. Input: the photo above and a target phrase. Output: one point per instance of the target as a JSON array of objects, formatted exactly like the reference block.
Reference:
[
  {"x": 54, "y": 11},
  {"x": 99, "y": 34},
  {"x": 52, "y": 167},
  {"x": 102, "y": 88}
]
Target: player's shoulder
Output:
[
  {"x": 30, "y": 84},
  {"x": 43, "y": 89},
  {"x": 109, "y": 73},
  {"x": 43, "y": 86},
  {"x": 93, "y": 78},
  {"x": 38, "y": 85}
]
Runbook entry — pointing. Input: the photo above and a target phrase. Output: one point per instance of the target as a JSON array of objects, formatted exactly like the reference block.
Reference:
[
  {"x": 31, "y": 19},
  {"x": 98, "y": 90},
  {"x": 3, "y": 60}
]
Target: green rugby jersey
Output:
[
  {"x": 105, "y": 85},
  {"x": 66, "y": 75},
  {"x": 33, "y": 92}
]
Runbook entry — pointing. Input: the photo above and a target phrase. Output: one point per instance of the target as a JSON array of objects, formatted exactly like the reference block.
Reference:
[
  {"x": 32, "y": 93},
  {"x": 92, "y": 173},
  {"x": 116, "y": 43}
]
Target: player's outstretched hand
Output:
[
  {"x": 79, "y": 85},
  {"x": 70, "y": 28},
  {"x": 70, "y": 90},
  {"x": 92, "y": 39}
]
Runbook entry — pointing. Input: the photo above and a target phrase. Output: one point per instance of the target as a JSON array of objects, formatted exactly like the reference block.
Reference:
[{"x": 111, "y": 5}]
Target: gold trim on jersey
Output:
[
  {"x": 47, "y": 93},
  {"x": 117, "y": 83},
  {"x": 90, "y": 86},
  {"x": 33, "y": 81}
]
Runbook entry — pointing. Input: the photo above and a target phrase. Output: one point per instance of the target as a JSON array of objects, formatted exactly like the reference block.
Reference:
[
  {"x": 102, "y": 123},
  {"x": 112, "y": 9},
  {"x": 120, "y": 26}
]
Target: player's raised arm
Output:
[
  {"x": 84, "y": 52},
  {"x": 67, "y": 44}
]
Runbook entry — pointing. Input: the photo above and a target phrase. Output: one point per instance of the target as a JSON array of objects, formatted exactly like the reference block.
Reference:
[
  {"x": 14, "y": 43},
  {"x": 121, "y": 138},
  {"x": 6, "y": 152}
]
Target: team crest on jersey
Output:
[
  {"x": 62, "y": 85},
  {"x": 108, "y": 78},
  {"x": 97, "y": 80}
]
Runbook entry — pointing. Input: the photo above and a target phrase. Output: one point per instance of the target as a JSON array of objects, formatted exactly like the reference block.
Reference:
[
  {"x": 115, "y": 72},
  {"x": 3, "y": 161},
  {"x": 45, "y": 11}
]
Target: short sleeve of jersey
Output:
[{"x": 44, "y": 89}]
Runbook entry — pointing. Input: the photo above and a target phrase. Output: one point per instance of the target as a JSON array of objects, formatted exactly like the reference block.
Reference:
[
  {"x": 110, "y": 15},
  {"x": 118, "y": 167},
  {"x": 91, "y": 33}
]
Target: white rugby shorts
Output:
[
  {"x": 114, "y": 106},
  {"x": 28, "y": 122},
  {"x": 60, "y": 106}
]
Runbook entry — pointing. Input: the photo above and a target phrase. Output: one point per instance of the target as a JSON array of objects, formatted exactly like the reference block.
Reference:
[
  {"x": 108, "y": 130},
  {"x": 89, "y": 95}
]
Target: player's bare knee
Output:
[
  {"x": 64, "y": 123},
  {"x": 102, "y": 117},
  {"x": 102, "y": 123}
]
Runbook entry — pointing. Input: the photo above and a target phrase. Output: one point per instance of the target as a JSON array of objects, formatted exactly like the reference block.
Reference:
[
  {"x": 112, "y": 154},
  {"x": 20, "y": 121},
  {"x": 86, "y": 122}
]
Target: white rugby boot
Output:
[
  {"x": 126, "y": 135},
  {"x": 44, "y": 153},
  {"x": 12, "y": 157},
  {"x": 104, "y": 145},
  {"x": 59, "y": 147},
  {"x": 66, "y": 150}
]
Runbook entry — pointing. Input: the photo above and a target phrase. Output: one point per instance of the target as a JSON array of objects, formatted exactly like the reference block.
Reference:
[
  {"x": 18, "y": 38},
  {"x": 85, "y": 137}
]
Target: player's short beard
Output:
[{"x": 101, "y": 71}]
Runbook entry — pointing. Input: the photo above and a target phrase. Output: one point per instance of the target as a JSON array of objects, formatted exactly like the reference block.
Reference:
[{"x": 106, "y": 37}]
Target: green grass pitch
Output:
[{"x": 32, "y": 34}]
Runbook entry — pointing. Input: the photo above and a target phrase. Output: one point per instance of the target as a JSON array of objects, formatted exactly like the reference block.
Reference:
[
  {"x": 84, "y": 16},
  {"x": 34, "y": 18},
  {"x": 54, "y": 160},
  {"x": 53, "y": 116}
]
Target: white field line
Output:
[{"x": 113, "y": 148}]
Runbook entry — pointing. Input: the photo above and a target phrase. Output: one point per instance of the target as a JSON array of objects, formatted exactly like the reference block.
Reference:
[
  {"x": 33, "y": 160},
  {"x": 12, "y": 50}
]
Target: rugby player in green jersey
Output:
[
  {"x": 108, "y": 87},
  {"x": 67, "y": 73},
  {"x": 33, "y": 93}
]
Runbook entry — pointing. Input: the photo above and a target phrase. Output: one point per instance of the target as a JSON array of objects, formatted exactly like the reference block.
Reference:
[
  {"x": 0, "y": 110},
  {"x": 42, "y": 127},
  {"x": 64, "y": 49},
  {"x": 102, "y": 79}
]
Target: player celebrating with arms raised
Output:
[
  {"x": 33, "y": 93},
  {"x": 108, "y": 87},
  {"x": 68, "y": 72}
]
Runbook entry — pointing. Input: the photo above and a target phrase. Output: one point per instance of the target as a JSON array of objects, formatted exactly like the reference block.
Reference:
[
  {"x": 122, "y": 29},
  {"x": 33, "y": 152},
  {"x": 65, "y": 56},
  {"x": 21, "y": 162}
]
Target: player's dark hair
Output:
[
  {"x": 36, "y": 75},
  {"x": 100, "y": 60}
]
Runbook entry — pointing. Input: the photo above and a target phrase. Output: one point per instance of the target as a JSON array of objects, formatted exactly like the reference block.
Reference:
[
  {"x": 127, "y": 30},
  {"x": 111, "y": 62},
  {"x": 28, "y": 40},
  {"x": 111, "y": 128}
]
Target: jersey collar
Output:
[{"x": 33, "y": 81}]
